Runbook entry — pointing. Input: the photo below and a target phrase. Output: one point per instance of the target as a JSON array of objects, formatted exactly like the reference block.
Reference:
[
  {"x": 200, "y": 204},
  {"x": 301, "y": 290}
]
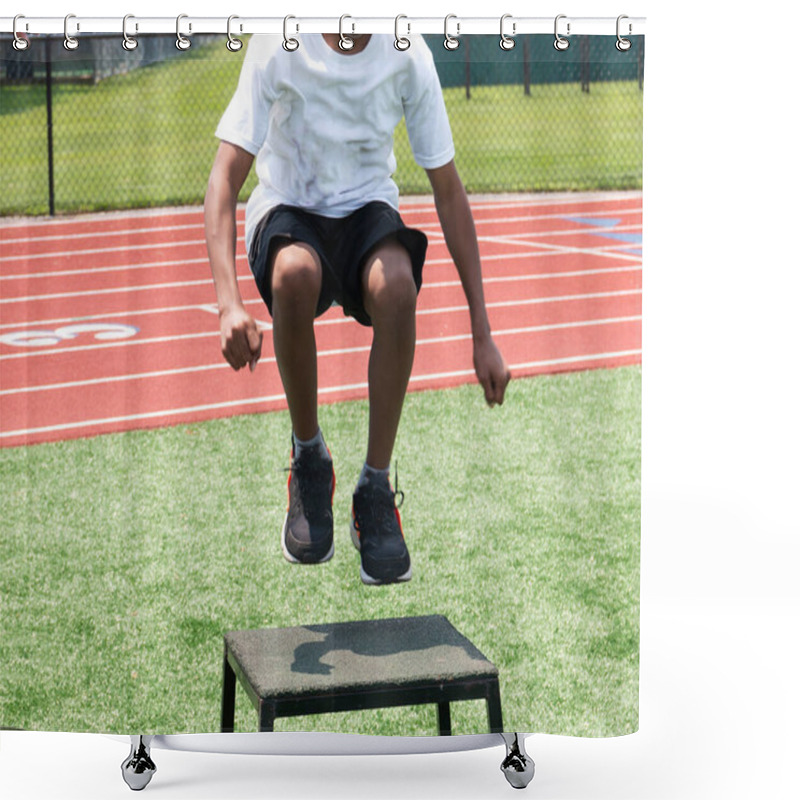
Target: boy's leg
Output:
[
  {"x": 390, "y": 298},
  {"x": 296, "y": 282}
]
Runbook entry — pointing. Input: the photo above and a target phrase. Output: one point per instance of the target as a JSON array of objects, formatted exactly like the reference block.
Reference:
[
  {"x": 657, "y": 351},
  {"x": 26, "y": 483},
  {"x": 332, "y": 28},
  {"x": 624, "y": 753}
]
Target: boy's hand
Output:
[
  {"x": 491, "y": 369},
  {"x": 240, "y": 338}
]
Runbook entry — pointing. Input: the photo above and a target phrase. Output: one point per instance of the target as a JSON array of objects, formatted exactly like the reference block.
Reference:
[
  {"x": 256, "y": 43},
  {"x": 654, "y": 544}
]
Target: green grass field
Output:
[
  {"x": 147, "y": 138},
  {"x": 124, "y": 558}
]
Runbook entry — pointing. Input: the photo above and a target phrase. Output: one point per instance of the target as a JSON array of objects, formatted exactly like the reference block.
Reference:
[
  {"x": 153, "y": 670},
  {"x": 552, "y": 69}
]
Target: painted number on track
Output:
[{"x": 48, "y": 338}]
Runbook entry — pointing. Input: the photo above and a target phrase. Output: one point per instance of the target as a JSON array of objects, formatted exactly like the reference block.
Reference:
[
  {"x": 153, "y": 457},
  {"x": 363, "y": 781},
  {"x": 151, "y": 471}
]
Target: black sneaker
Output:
[
  {"x": 307, "y": 536},
  {"x": 378, "y": 535}
]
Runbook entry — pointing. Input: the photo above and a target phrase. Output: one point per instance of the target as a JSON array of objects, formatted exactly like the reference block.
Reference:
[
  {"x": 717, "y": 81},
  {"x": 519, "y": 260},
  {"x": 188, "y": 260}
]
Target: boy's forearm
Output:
[
  {"x": 220, "y": 228},
  {"x": 228, "y": 175},
  {"x": 455, "y": 216},
  {"x": 240, "y": 338}
]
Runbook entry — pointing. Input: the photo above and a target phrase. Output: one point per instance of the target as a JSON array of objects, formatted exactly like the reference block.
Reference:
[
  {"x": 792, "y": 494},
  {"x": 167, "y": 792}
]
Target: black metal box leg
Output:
[
  {"x": 445, "y": 726},
  {"x": 494, "y": 708},
  {"x": 266, "y": 716},
  {"x": 228, "y": 696}
]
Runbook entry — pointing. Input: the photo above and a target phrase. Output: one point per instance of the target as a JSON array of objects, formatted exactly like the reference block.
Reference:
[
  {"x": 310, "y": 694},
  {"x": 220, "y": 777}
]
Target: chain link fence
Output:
[{"x": 104, "y": 128}]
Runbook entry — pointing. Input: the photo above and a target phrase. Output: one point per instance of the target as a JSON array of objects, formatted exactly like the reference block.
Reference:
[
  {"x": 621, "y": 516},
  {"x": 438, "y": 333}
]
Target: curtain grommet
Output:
[
  {"x": 622, "y": 44},
  {"x": 70, "y": 42},
  {"x": 289, "y": 44},
  {"x": 19, "y": 43},
  {"x": 181, "y": 42},
  {"x": 345, "y": 42},
  {"x": 128, "y": 42},
  {"x": 451, "y": 42},
  {"x": 233, "y": 44},
  {"x": 560, "y": 42},
  {"x": 507, "y": 42},
  {"x": 401, "y": 43}
]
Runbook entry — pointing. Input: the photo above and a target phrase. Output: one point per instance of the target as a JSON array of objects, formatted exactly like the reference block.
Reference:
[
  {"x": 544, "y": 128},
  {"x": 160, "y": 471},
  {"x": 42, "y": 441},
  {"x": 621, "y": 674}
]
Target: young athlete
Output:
[{"x": 321, "y": 226}]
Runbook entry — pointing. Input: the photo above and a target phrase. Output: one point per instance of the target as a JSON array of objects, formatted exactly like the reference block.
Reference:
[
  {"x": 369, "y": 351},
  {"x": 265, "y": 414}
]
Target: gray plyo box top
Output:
[{"x": 353, "y": 656}]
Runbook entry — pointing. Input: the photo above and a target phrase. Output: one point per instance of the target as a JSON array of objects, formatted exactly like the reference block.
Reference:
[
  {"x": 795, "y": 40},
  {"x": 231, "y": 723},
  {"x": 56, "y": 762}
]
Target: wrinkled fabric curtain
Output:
[{"x": 144, "y": 482}]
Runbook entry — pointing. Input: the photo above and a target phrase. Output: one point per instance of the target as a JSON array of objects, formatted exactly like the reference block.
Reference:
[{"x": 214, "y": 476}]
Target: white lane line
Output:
[
  {"x": 114, "y": 290},
  {"x": 241, "y": 258},
  {"x": 431, "y": 229},
  {"x": 575, "y": 201},
  {"x": 487, "y": 279},
  {"x": 604, "y": 252},
  {"x": 536, "y": 301},
  {"x": 598, "y": 231},
  {"x": 548, "y": 362},
  {"x": 140, "y": 312},
  {"x": 161, "y": 373},
  {"x": 65, "y": 273},
  {"x": 552, "y": 362},
  {"x": 106, "y": 216},
  {"x": 338, "y": 320},
  {"x": 128, "y": 248},
  {"x": 536, "y": 276},
  {"x": 61, "y": 237},
  {"x": 201, "y": 233},
  {"x": 82, "y": 348},
  {"x": 482, "y": 202},
  {"x": 339, "y": 351},
  {"x": 230, "y": 404}
]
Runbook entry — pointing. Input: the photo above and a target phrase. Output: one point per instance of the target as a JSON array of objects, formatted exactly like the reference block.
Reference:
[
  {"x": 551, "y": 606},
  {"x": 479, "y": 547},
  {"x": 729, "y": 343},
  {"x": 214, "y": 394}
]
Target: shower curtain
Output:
[{"x": 144, "y": 482}]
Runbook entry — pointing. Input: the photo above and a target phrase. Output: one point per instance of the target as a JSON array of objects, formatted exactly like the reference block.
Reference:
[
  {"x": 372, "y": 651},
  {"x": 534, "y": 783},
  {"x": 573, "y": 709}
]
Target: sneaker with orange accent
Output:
[
  {"x": 377, "y": 533},
  {"x": 307, "y": 536}
]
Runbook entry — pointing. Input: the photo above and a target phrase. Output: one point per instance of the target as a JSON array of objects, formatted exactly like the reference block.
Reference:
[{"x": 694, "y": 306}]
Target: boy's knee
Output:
[
  {"x": 296, "y": 273},
  {"x": 389, "y": 286}
]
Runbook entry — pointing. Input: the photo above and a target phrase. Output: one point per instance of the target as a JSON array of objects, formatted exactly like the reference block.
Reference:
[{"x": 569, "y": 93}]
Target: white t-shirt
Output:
[{"x": 321, "y": 123}]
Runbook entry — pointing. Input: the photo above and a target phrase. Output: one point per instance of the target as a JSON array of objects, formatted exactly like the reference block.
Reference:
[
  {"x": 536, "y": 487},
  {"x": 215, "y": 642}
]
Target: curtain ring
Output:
[
  {"x": 233, "y": 44},
  {"x": 70, "y": 42},
  {"x": 451, "y": 42},
  {"x": 345, "y": 42},
  {"x": 561, "y": 43},
  {"x": 289, "y": 44},
  {"x": 401, "y": 42},
  {"x": 128, "y": 42},
  {"x": 622, "y": 44},
  {"x": 181, "y": 42},
  {"x": 19, "y": 43},
  {"x": 506, "y": 42}
]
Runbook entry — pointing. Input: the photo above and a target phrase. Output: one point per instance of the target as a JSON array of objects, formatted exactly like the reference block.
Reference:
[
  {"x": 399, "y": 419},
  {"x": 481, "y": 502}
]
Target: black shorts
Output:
[{"x": 343, "y": 245}]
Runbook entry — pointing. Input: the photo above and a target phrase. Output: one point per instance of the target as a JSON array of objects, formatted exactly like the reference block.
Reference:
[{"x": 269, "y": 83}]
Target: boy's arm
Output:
[
  {"x": 240, "y": 336},
  {"x": 458, "y": 226}
]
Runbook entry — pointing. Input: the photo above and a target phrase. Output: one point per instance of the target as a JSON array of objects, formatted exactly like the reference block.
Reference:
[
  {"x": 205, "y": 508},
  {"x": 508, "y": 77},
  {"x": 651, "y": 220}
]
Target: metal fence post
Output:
[
  {"x": 526, "y": 65},
  {"x": 640, "y": 62},
  {"x": 467, "y": 77},
  {"x": 49, "y": 90},
  {"x": 585, "y": 67}
]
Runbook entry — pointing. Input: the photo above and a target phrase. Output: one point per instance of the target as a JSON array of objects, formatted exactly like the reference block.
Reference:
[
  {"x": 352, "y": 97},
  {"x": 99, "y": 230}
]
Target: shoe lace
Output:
[
  {"x": 377, "y": 510},
  {"x": 310, "y": 471}
]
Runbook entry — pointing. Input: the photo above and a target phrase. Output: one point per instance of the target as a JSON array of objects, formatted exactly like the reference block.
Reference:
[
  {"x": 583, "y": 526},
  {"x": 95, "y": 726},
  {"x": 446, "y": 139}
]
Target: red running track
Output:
[{"x": 107, "y": 322}]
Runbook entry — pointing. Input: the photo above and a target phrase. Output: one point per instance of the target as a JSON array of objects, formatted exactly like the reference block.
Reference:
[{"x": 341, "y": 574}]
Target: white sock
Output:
[
  {"x": 316, "y": 441},
  {"x": 369, "y": 473}
]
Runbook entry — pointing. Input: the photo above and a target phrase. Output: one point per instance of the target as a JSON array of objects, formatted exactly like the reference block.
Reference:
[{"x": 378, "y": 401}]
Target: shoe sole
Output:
[
  {"x": 366, "y": 578},
  {"x": 290, "y": 558}
]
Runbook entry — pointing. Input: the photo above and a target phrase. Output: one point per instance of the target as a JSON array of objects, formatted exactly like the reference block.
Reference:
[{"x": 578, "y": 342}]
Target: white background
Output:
[{"x": 720, "y": 604}]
